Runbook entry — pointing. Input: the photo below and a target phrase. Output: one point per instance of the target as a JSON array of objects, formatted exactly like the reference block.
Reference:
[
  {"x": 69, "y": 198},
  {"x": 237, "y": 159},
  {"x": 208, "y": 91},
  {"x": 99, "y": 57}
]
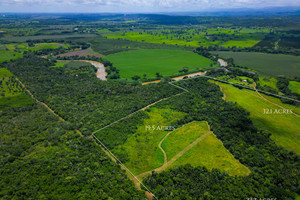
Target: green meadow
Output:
[
  {"x": 294, "y": 86},
  {"x": 211, "y": 153},
  {"x": 284, "y": 128},
  {"x": 7, "y": 55},
  {"x": 150, "y": 61},
  {"x": 142, "y": 147},
  {"x": 182, "y": 137},
  {"x": 266, "y": 64}
]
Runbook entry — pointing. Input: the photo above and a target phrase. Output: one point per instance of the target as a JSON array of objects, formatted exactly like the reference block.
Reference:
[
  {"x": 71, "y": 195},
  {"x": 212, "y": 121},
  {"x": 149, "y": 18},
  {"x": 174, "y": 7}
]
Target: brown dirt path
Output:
[
  {"x": 170, "y": 162},
  {"x": 262, "y": 97}
]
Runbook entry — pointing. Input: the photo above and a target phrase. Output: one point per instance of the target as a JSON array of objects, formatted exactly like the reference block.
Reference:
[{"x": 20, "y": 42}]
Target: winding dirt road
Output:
[{"x": 170, "y": 162}]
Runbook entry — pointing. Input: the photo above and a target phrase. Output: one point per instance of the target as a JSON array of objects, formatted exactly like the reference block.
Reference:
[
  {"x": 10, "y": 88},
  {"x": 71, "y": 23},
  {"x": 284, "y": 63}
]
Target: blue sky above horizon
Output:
[{"x": 95, "y": 6}]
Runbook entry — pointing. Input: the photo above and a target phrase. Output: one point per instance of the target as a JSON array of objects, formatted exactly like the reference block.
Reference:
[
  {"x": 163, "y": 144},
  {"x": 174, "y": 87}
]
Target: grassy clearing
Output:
[
  {"x": 142, "y": 147},
  {"x": 182, "y": 137},
  {"x": 211, "y": 153},
  {"x": 270, "y": 82},
  {"x": 266, "y": 64},
  {"x": 61, "y": 63},
  {"x": 284, "y": 128},
  {"x": 294, "y": 86},
  {"x": 149, "y": 62},
  {"x": 7, "y": 55}
]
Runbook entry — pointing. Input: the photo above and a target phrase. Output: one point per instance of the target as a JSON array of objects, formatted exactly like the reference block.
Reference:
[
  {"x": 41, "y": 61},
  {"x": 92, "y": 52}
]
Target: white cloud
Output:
[{"x": 144, "y": 5}]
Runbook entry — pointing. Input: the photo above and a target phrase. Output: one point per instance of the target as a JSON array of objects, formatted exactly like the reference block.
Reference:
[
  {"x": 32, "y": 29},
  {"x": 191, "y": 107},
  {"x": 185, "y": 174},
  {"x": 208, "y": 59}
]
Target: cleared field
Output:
[
  {"x": 163, "y": 61},
  {"x": 270, "y": 82},
  {"x": 7, "y": 55},
  {"x": 284, "y": 128},
  {"x": 182, "y": 137},
  {"x": 294, "y": 86},
  {"x": 266, "y": 64},
  {"x": 196, "y": 37},
  {"x": 211, "y": 153},
  {"x": 142, "y": 147}
]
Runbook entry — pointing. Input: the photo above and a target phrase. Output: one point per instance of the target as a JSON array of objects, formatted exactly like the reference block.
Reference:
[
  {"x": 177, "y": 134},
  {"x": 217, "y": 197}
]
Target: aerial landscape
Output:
[{"x": 146, "y": 100}]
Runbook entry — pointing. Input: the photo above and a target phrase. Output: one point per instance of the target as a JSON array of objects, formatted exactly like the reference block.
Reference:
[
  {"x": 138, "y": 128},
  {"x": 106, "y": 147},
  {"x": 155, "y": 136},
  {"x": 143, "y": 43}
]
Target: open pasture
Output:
[
  {"x": 284, "y": 128},
  {"x": 162, "y": 61},
  {"x": 266, "y": 64}
]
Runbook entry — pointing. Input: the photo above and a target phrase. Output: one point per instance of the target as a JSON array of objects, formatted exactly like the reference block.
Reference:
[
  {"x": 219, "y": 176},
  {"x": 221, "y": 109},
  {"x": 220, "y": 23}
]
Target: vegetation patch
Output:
[
  {"x": 142, "y": 147},
  {"x": 211, "y": 153},
  {"x": 294, "y": 86},
  {"x": 182, "y": 137}
]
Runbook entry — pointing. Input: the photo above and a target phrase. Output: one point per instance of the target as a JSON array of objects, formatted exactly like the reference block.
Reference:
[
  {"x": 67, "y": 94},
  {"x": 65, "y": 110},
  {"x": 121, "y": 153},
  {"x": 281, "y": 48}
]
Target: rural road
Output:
[{"x": 178, "y": 77}]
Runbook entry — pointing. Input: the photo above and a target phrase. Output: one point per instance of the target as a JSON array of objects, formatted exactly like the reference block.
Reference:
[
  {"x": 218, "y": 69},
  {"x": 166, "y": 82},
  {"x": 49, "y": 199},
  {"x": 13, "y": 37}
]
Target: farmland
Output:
[
  {"x": 282, "y": 127},
  {"x": 194, "y": 37},
  {"x": 150, "y": 62},
  {"x": 266, "y": 64}
]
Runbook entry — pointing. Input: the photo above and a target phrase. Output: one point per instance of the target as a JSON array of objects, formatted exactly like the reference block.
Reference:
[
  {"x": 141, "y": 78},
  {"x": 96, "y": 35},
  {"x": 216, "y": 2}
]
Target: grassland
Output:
[
  {"x": 149, "y": 62},
  {"x": 142, "y": 147},
  {"x": 266, "y": 64},
  {"x": 284, "y": 128},
  {"x": 211, "y": 153},
  {"x": 182, "y": 137},
  {"x": 294, "y": 86},
  {"x": 196, "y": 37},
  {"x": 7, "y": 55}
]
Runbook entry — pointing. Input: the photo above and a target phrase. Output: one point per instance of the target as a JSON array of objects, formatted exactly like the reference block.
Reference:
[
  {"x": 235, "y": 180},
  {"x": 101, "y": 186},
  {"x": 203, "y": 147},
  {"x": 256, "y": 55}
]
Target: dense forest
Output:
[
  {"x": 44, "y": 158},
  {"x": 81, "y": 98}
]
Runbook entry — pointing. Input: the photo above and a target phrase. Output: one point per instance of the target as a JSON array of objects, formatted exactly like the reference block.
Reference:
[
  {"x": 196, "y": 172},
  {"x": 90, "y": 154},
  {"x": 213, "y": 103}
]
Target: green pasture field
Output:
[
  {"x": 142, "y": 147},
  {"x": 7, "y": 55},
  {"x": 211, "y": 153},
  {"x": 266, "y": 64},
  {"x": 284, "y": 128},
  {"x": 294, "y": 86},
  {"x": 182, "y": 137},
  {"x": 149, "y": 62},
  {"x": 195, "y": 38}
]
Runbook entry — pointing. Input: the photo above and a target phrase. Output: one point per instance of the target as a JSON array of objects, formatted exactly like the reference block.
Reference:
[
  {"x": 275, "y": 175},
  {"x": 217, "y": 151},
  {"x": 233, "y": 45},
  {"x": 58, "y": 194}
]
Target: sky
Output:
[{"x": 136, "y": 6}]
